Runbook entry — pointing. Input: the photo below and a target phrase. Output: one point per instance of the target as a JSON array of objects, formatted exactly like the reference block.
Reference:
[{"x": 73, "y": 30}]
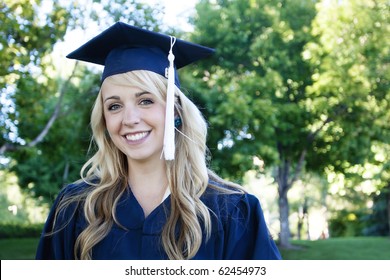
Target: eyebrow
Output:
[
  {"x": 141, "y": 93},
  {"x": 116, "y": 97},
  {"x": 112, "y": 97}
]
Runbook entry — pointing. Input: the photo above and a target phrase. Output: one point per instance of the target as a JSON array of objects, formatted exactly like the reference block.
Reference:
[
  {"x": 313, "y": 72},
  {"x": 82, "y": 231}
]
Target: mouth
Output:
[{"x": 133, "y": 137}]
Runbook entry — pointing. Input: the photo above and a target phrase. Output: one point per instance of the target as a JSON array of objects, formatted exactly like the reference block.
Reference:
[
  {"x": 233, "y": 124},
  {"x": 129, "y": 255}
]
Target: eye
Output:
[
  {"x": 113, "y": 107},
  {"x": 146, "y": 101}
]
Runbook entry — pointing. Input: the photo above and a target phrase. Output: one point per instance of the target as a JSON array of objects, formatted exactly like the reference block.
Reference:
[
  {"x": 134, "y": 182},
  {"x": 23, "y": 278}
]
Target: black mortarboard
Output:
[{"x": 122, "y": 48}]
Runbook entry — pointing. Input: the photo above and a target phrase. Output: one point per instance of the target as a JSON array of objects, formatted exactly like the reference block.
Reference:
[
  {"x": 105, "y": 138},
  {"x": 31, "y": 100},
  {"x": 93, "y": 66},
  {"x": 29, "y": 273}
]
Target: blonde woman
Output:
[{"x": 147, "y": 192}]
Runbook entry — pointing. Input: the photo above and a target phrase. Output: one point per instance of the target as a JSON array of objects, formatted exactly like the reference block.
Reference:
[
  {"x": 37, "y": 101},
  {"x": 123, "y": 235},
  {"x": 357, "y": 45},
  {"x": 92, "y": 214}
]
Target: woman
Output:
[{"x": 147, "y": 193}]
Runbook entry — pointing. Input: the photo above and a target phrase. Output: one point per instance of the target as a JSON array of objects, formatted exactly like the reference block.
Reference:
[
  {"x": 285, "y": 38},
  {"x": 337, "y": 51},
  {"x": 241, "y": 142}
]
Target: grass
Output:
[
  {"x": 356, "y": 248},
  {"x": 352, "y": 248},
  {"x": 18, "y": 248}
]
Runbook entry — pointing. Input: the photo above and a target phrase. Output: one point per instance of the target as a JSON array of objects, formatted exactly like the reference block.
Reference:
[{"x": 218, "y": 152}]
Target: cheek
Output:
[
  {"x": 112, "y": 123},
  {"x": 159, "y": 117}
]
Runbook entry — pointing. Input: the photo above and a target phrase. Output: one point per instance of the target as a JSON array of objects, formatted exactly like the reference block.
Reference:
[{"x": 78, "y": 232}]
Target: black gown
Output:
[{"x": 238, "y": 230}]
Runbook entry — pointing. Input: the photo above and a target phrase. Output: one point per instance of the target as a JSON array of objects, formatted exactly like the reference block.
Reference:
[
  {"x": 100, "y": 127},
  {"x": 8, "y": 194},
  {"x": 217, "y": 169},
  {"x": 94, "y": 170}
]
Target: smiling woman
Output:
[
  {"x": 147, "y": 192},
  {"x": 133, "y": 117}
]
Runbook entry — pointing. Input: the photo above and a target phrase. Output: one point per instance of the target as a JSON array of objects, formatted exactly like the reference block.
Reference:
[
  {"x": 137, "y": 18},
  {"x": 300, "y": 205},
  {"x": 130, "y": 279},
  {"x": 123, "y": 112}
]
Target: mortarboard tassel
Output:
[{"x": 169, "y": 133}]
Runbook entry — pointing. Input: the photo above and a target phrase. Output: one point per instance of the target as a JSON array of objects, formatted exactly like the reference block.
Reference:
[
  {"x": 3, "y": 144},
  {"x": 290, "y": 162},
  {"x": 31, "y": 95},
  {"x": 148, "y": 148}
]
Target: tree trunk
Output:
[
  {"x": 284, "y": 209},
  {"x": 299, "y": 227},
  {"x": 284, "y": 185},
  {"x": 284, "y": 239}
]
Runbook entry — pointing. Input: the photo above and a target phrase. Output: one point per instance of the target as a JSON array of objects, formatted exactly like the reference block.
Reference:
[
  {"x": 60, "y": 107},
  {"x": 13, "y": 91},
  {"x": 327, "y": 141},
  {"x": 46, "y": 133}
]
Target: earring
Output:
[{"x": 178, "y": 122}]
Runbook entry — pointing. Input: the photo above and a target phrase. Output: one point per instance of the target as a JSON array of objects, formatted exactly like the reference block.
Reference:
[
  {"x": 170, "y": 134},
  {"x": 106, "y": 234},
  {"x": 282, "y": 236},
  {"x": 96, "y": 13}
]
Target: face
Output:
[{"x": 134, "y": 121}]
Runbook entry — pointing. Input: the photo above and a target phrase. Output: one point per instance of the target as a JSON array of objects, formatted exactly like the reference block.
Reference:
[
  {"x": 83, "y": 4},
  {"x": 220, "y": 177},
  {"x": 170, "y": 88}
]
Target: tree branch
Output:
[
  {"x": 40, "y": 137},
  {"x": 7, "y": 147},
  {"x": 313, "y": 135}
]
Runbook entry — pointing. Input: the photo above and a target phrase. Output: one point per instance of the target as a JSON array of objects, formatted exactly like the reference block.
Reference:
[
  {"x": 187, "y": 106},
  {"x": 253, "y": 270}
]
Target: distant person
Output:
[{"x": 147, "y": 192}]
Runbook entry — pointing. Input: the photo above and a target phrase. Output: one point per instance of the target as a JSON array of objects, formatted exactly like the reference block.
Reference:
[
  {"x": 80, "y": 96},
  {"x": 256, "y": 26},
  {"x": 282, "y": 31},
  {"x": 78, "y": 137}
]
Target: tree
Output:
[
  {"x": 258, "y": 87},
  {"x": 27, "y": 37},
  {"x": 351, "y": 60},
  {"x": 271, "y": 97}
]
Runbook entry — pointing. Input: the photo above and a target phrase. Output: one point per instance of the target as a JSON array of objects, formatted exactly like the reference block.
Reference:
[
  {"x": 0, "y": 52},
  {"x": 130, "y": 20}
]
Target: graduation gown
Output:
[{"x": 238, "y": 230}]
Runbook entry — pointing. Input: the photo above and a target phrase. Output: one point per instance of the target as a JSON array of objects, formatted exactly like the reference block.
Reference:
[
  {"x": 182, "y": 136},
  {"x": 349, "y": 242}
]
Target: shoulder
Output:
[
  {"x": 70, "y": 198},
  {"x": 68, "y": 206},
  {"x": 228, "y": 193},
  {"x": 226, "y": 201},
  {"x": 75, "y": 189}
]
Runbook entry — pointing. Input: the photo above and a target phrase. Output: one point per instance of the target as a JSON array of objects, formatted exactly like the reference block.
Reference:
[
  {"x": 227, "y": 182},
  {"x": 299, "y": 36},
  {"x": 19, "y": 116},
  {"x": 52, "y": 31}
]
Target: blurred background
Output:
[{"x": 297, "y": 99}]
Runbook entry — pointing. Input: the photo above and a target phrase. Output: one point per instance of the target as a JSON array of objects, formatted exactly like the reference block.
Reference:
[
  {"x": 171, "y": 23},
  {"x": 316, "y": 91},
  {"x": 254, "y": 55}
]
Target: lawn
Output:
[
  {"x": 353, "y": 248},
  {"x": 357, "y": 248},
  {"x": 18, "y": 248}
]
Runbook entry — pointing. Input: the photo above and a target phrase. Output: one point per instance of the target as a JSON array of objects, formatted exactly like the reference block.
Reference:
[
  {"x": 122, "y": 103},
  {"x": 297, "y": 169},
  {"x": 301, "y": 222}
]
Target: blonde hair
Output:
[{"x": 188, "y": 176}]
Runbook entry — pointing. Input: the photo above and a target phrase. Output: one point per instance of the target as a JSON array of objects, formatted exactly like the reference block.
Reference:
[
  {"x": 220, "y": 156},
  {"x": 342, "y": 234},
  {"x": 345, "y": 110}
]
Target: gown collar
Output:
[{"x": 131, "y": 216}]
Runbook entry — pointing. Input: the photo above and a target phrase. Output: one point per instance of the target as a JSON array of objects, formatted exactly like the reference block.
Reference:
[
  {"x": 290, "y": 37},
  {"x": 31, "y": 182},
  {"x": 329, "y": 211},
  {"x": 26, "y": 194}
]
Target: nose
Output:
[{"x": 131, "y": 116}]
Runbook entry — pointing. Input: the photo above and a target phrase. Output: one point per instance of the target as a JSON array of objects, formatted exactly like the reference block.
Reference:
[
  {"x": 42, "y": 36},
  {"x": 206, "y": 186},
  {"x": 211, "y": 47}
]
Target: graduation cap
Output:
[{"x": 122, "y": 48}]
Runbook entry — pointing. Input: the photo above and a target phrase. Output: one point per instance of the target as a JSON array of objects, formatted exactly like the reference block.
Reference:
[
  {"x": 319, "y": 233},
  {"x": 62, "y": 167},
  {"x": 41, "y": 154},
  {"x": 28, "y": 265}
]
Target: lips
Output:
[{"x": 136, "y": 136}]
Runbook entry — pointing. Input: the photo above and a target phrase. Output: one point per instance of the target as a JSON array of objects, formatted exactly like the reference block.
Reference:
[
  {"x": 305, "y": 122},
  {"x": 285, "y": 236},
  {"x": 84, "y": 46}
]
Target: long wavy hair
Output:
[{"x": 188, "y": 176}]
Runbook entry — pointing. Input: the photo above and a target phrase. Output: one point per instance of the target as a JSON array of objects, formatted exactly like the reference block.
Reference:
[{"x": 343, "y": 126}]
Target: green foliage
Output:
[
  {"x": 57, "y": 161},
  {"x": 280, "y": 84},
  {"x": 351, "y": 78},
  {"x": 257, "y": 80},
  {"x": 27, "y": 36},
  {"x": 377, "y": 222},
  {"x": 347, "y": 223},
  {"x": 16, "y": 206},
  {"x": 258, "y": 87},
  {"x": 299, "y": 84},
  {"x": 18, "y": 230}
]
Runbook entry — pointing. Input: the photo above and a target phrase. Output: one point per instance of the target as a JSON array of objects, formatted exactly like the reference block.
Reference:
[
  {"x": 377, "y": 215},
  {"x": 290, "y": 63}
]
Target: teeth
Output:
[{"x": 136, "y": 137}]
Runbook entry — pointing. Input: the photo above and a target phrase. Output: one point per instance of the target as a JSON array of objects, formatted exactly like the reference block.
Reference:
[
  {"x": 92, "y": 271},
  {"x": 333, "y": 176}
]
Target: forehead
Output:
[
  {"x": 118, "y": 86},
  {"x": 110, "y": 87}
]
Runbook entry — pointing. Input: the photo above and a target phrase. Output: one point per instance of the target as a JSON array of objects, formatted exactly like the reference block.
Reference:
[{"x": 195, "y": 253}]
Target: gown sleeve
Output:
[
  {"x": 247, "y": 236},
  {"x": 58, "y": 243}
]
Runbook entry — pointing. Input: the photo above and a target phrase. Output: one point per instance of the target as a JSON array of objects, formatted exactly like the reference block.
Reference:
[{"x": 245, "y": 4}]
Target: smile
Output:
[{"x": 136, "y": 136}]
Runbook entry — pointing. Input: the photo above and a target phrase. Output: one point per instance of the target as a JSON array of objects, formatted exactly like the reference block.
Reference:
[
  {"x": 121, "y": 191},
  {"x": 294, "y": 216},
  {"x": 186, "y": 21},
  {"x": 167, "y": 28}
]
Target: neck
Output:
[
  {"x": 148, "y": 182},
  {"x": 147, "y": 173}
]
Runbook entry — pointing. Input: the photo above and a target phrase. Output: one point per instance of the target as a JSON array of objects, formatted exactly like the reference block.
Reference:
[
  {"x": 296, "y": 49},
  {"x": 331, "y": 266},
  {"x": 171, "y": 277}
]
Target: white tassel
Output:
[{"x": 169, "y": 133}]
